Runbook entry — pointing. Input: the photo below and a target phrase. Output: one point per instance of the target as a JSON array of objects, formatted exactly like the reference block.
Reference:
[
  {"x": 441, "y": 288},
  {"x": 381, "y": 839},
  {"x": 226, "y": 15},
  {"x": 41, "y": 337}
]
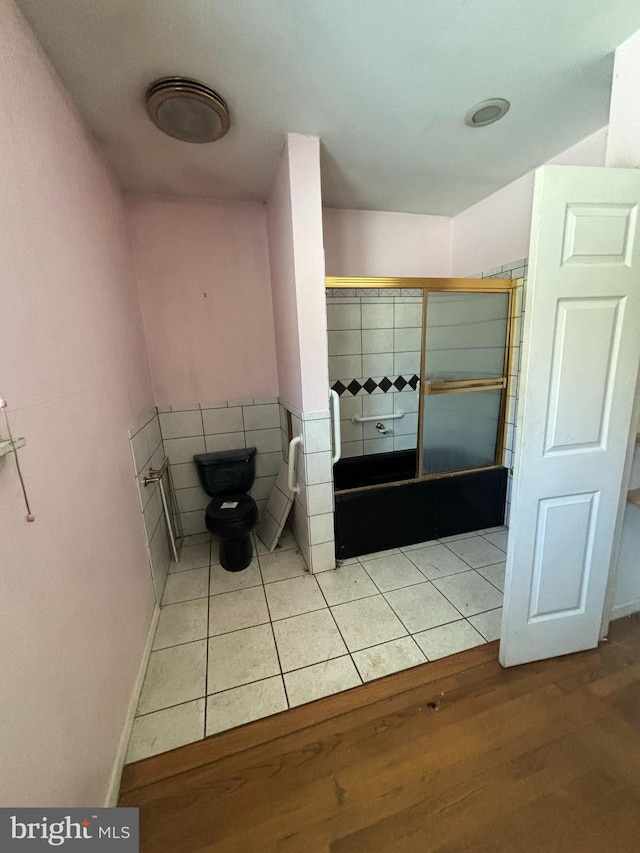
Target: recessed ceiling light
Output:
[
  {"x": 486, "y": 112},
  {"x": 187, "y": 109}
]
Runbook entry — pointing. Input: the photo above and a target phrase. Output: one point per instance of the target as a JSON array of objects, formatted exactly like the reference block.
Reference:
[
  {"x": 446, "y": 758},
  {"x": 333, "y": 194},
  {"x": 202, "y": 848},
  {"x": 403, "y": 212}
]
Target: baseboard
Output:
[
  {"x": 116, "y": 774},
  {"x": 621, "y": 610}
]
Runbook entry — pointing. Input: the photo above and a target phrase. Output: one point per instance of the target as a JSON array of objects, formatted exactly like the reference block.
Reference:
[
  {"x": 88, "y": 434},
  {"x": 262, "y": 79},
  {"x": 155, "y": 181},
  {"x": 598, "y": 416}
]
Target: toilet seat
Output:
[{"x": 245, "y": 511}]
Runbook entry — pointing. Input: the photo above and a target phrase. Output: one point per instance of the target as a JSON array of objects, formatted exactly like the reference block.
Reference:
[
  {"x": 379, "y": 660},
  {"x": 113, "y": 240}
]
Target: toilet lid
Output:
[{"x": 231, "y": 508}]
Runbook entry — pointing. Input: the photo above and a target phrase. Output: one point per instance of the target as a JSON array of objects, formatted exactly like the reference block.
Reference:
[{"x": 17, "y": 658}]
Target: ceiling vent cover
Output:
[{"x": 187, "y": 110}]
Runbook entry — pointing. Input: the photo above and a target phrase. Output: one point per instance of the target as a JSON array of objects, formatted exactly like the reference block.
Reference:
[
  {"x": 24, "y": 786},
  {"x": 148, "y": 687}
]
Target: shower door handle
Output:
[{"x": 335, "y": 420}]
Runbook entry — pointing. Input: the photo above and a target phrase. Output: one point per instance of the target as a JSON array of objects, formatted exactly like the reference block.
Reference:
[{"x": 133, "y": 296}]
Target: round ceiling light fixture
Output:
[
  {"x": 487, "y": 112},
  {"x": 187, "y": 109}
]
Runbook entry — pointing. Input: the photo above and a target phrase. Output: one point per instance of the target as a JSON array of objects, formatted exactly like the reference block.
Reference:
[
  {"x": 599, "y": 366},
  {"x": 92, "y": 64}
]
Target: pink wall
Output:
[
  {"x": 203, "y": 280},
  {"x": 496, "y": 230},
  {"x": 373, "y": 243},
  {"x": 75, "y": 589},
  {"x": 623, "y": 141},
  {"x": 283, "y": 285},
  {"x": 294, "y": 216},
  {"x": 306, "y": 215}
]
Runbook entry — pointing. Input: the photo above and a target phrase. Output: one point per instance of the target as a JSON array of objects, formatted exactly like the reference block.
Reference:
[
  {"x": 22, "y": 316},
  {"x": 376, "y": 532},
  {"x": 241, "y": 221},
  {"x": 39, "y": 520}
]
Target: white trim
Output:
[
  {"x": 113, "y": 790},
  {"x": 621, "y": 610}
]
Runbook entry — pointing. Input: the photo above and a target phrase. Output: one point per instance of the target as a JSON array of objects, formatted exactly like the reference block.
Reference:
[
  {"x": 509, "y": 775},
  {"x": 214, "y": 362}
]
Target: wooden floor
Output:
[{"x": 457, "y": 755}]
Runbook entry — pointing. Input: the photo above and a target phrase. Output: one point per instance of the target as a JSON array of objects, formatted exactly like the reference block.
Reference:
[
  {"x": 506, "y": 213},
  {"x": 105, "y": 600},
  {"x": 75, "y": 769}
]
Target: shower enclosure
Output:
[{"x": 420, "y": 369}]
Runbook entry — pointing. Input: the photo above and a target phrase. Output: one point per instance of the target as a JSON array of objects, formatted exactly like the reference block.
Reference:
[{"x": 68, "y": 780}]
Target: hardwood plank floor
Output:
[{"x": 456, "y": 755}]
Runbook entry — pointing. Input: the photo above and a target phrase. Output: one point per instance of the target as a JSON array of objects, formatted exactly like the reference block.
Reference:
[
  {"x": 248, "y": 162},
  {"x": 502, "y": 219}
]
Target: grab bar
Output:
[
  {"x": 356, "y": 419},
  {"x": 335, "y": 420},
  {"x": 291, "y": 473},
  {"x": 155, "y": 476}
]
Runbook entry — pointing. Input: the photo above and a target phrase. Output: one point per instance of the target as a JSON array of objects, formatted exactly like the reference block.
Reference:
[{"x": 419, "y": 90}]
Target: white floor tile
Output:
[
  {"x": 185, "y": 586},
  {"x": 476, "y": 552},
  {"x": 195, "y": 539},
  {"x": 235, "y": 610},
  {"x": 322, "y": 679},
  {"x": 245, "y": 704},
  {"x": 168, "y": 729},
  {"x": 174, "y": 676},
  {"x": 378, "y": 661},
  {"x": 499, "y": 529},
  {"x": 498, "y": 539},
  {"x": 282, "y": 565},
  {"x": 437, "y": 561},
  {"x": 470, "y": 593},
  {"x": 241, "y": 657},
  {"x": 367, "y": 622},
  {"x": 494, "y": 574},
  {"x": 294, "y": 596},
  {"x": 418, "y": 545},
  {"x": 346, "y": 583},
  {"x": 181, "y": 623},
  {"x": 307, "y": 639},
  {"x": 488, "y": 624},
  {"x": 392, "y": 572},
  {"x": 192, "y": 557},
  {"x": 377, "y": 554},
  {"x": 421, "y": 607},
  {"x": 224, "y": 581},
  {"x": 457, "y": 536},
  {"x": 448, "y": 639}
]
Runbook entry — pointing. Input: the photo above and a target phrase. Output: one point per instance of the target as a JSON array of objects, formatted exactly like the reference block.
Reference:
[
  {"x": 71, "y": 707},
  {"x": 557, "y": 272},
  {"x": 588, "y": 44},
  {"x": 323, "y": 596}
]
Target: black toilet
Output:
[{"x": 226, "y": 477}]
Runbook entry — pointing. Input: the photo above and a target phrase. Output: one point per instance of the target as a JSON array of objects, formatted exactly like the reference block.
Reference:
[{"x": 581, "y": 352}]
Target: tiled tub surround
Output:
[
  {"x": 148, "y": 452},
  {"x": 209, "y": 427},
  {"x": 231, "y": 648},
  {"x": 375, "y": 338}
]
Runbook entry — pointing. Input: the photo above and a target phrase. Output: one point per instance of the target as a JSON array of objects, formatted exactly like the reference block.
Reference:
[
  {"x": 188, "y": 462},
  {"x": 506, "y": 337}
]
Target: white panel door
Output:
[{"x": 580, "y": 363}]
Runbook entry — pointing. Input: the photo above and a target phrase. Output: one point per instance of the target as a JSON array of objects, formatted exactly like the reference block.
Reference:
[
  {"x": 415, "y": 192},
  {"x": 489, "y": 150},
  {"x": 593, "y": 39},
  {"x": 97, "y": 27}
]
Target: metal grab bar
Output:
[
  {"x": 291, "y": 472},
  {"x": 335, "y": 419},
  {"x": 155, "y": 476},
  {"x": 356, "y": 419}
]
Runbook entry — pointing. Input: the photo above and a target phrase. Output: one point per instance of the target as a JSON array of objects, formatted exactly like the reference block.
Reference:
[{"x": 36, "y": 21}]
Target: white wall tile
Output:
[
  {"x": 350, "y": 431},
  {"x": 407, "y": 314},
  {"x": 407, "y": 340},
  {"x": 316, "y": 436},
  {"x": 268, "y": 464},
  {"x": 352, "y": 448},
  {"x": 193, "y": 522},
  {"x": 343, "y": 316},
  {"x": 321, "y": 528},
  {"x": 407, "y": 425},
  {"x": 350, "y": 406},
  {"x": 406, "y": 363},
  {"x": 377, "y": 316},
  {"x": 317, "y": 468},
  {"x": 345, "y": 342},
  {"x": 261, "y": 417},
  {"x": 406, "y": 401},
  {"x": 380, "y": 364},
  {"x": 181, "y": 424},
  {"x": 181, "y": 450},
  {"x": 378, "y": 445},
  {"x": 185, "y": 476},
  {"x": 345, "y": 367},
  {"x": 319, "y": 498},
  {"x": 217, "y": 421},
  {"x": 225, "y": 441},
  {"x": 377, "y": 340},
  {"x": 376, "y": 405},
  {"x": 262, "y": 488},
  {"x": 264, "y": 440},
  {"x": 405, "y": 442},
  {"x": 323, "y": 557},
  {"x": 190, "y": 500}
]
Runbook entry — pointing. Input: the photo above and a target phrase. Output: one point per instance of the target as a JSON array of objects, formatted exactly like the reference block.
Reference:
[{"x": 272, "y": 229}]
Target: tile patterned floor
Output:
[{"x": 231, "y": 648}]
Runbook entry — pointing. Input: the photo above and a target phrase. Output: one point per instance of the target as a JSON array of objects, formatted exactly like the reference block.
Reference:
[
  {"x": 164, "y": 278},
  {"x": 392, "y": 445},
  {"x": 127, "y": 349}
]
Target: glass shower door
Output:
[{"x": 464, "y": 380}]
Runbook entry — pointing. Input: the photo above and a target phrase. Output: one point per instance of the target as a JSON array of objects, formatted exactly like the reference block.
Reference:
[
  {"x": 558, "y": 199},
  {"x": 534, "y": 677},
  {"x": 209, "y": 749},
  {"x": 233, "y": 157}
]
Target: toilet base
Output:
[{"x": 236, "y": 554}]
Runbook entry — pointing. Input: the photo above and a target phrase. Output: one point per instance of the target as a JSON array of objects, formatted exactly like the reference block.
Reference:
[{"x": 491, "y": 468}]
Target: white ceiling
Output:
[{"x": 384, "y": 83}]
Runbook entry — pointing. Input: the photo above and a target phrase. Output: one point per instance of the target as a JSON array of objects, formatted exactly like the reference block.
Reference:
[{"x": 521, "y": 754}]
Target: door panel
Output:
[{"x": 579, "y": 369}]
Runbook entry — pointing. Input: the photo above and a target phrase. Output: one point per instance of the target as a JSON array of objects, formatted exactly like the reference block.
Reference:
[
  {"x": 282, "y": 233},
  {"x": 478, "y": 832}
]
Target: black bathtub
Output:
[{"x": 378, "y": 516}]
